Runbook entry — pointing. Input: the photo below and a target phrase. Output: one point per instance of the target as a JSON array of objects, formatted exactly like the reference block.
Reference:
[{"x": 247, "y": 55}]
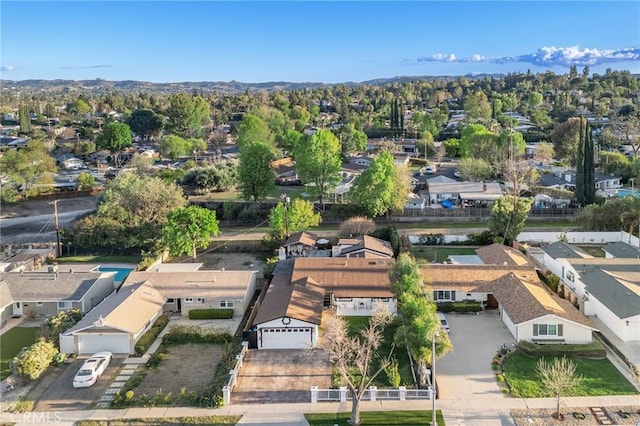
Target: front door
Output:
[
  {"x": 492, "y": 303},
  {"x": 17, "y": 309}
]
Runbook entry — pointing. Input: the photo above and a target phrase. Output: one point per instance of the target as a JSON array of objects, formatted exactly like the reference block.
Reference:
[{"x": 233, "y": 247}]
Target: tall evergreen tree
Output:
[
  {"x": 25, "y": 121},
  {"x": 585, "y": 166},
  {"x": 580, "y": 178}
]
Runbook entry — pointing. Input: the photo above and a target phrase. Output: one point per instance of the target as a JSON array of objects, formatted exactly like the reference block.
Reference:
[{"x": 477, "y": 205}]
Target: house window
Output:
[
  {"x": 570, "y": 276},
  {"x": 171, "y": 300},
  {"x": 344, "y": 299},
  {"x": 200, "y": 300},
  {"x": 38, "y": 303},
  {"x": 440, "y": 295},
  {"x": 188, "y": 300},
  {"x": 226, "y": 303},
  {"x": 547, "y": 329},
  {"x": 65, "y": 304}
]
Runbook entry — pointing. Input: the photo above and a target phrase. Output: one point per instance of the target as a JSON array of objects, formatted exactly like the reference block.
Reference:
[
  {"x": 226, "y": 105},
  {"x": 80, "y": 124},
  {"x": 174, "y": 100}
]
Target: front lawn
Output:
[
  {"x": 99, "y": 259},
  {"x": 440, "y": 254},
  {"x": 381, "y": 418},
  {"x": 166, "y": 421},
  {"x": 404, "y": 365},
  {"x": 10, "y": 344},
  {"x": 600, "y": 377}
]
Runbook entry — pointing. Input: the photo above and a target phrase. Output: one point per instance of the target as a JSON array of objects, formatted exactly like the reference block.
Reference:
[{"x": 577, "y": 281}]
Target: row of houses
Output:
[{"x": 348, "y": 278}]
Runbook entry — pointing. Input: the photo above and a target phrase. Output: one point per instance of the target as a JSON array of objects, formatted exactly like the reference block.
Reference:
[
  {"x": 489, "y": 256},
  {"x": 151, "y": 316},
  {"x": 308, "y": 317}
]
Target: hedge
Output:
[
  {"x": 179, "y": 334},
  {"x": 462, "y": 307},
  {"x": 150, "y": 336},
  {"x": 211, "y": 314},
  {"x": 594, "y": 349}
]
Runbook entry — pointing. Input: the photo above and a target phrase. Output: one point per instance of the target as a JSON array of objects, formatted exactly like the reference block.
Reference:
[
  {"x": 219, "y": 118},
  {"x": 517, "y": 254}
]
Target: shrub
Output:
[
  {"x": 500, "y": 378},
  {"x": 393, "y": 374},
  {"x": 481, "y": 239},
  {"x": 150, "y": 336},
  {"x": 32, "y": 361},
  {"x": 179, "y": 334},
  {"x": 594, "y": 349},
  {"x": 431, "y": 239},
  {"x": 356, "y": 226},
  {"x": 388, "y": 233},
  {"x": 211, "y": 314},
  {"x": 59, "y": 323},
  {"x": 464, "y": 306}
]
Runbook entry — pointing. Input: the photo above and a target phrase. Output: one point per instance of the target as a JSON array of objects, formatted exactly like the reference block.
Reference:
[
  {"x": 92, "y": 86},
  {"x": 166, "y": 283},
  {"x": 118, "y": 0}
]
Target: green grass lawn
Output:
[
  {"x": 404, "y": 364},
  {"x": 99, "y": 259},
  {"x": 439, "y": 254},
  {"x": 600, "y": 377},
  {"x": 382, "y": 418},
  {"x": 11, "y": 343},
  {"x": 593, "y": 251}
]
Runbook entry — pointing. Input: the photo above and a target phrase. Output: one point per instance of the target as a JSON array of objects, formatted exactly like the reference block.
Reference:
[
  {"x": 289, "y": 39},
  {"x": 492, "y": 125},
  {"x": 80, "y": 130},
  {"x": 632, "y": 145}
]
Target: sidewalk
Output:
[{"x": 487, "y": 412}]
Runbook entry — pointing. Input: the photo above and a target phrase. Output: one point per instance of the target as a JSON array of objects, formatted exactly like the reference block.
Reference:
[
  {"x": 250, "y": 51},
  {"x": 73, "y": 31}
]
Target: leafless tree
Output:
[
  {"x": 355, "y": 357},
  {"x": 558, "y": 377},
  {"x": 356, "y": 226}
]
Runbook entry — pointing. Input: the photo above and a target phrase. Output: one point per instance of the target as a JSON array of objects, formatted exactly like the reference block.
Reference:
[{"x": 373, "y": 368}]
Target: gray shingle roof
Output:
[
  {"x": 620, "y": 296},
  {"x": 622, "y": 250},
  {"x": 560, "y": 250},
  {"x": 46, "y": 287}
]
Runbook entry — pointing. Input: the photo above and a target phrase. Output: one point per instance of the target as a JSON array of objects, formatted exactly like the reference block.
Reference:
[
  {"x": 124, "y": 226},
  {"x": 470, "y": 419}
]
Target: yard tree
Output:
[
  {"x": 566, "y": 139},
  {"x": 558, "y": 377},
  {"x": 477, "y": 106},
  {"x": 544, "y": 152},
  {"x": 585, "y": 182},
  {"x": 189, "y": 228},
  {"x": 173, "y": 146},
  {"x": 426, "y": 141},
  {"x": 319, "y": 163},
  {"x": 298, "y": 215},
  {"x": 34, "y": 360},
  {"x": 115, "y": 137},
  {"x": 351, "y": 139},
  {"x": 475, "y": 169},
  {"x": 256, "y": 178},
  {"x": 401, "y": 187},
  {"x": 254, "y": 129},
  {"x": 508, "y": 216},
  {"x": 86, "y": 181},
  {"x": 356, "y": 359},
  {"x": 376, "y": 190},
  {"x": 146, "y": 123},
  {"x": 417, "y": 319},
  {"x": 28, "y": 167},
  {"x": 56, "y": 324},
  {"x": 357, "y": 226},
  {"x": 477, "y": 142},
  {"x": 617, "y": 213},
  {"x": 25, "y": 119},
  {"x": 187, "y": 114}
]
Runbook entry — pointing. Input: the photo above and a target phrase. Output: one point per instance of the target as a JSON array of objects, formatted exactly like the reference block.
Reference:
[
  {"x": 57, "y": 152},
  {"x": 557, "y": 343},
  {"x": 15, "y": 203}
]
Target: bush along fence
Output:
[
  {"x": 150, "y": 336},
  {"x": 210, "y": 314}
]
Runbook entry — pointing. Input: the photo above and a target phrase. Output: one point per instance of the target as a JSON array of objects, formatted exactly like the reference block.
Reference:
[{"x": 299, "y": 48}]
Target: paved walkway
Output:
[{"x": 493, "y": 412}]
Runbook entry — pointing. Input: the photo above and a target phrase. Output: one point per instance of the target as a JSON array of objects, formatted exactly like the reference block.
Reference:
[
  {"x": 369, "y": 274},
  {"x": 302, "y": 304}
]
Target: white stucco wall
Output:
[
  {"x": 363, "y": 306},
  {"x": 572, "y": 333},
  {"x": 626, "y": 333}
]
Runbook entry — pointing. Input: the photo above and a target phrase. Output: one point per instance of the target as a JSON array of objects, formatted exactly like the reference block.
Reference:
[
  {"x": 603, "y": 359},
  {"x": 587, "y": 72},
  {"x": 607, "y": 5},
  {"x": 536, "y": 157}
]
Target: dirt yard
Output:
[
  {"x": 174, "y": 373},
  {"x": 229, "y": 261}
]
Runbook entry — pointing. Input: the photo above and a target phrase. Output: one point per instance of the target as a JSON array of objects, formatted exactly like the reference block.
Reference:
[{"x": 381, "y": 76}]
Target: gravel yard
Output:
[
  {"x": 191, "y": 366},
  {"x": 543, "y": 417}
]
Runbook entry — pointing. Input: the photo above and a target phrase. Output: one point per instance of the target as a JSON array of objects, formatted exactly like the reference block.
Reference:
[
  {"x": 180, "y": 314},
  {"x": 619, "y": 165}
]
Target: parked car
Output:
[
  {"x": 91, "y": 369},
  {"x": 444, "y": 324},
  {"x": 457, "y": 174},
  {"x": 430, "y": 169}
]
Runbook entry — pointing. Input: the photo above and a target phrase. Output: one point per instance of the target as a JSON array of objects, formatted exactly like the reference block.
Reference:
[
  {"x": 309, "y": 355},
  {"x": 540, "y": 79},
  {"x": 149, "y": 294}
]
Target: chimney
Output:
[{"x": 567, "y": 177}]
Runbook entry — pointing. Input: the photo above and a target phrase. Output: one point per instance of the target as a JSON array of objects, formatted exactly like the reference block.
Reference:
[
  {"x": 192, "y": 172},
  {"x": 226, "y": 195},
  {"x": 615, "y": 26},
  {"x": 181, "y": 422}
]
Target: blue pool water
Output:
[
  {"x": 625, "y": 192},
  {"x": 122, "y": 272}
]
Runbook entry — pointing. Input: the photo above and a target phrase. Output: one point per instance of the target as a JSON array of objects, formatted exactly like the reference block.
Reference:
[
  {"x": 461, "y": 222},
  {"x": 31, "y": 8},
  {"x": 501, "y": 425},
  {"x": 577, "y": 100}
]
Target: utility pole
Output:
[
  {"x": 286, "y": 214},
  {"x": 55, "y": 215}
]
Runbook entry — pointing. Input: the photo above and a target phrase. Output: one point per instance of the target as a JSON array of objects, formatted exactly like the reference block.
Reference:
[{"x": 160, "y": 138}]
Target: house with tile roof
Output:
[
  {"x": 290, "y": 311},
  {"x": 118, "y": 322},
  {"x": 43, "y": 294}
]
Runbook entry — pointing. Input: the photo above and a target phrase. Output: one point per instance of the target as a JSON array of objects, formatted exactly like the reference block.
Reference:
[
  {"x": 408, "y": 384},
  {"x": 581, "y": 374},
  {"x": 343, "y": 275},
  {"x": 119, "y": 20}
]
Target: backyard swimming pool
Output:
[
  {"x": 122, "y": 272},
  {"x": 626, "y": 192}
]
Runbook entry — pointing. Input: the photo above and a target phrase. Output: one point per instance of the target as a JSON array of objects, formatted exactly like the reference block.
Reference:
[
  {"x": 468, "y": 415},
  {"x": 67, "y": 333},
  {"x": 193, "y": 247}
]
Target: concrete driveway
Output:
[
  {"x": 281, "y": 376},
  {"x": 465, "y": 373},
  {"x": 62, "y": 396}
]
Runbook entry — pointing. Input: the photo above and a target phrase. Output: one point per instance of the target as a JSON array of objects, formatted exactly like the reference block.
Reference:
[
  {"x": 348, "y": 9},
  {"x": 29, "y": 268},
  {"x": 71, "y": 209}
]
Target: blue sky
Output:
[{"x": 311, "y": 41}]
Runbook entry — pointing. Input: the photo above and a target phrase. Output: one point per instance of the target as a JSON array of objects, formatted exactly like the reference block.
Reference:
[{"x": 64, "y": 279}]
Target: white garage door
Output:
[
  {"x": 285, "y": 338},
  {"x": 92, "y": 343}
]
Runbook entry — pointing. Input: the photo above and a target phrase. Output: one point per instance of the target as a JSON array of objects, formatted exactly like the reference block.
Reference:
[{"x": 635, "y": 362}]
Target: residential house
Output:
[
  {"x": 555, "y": 256},
  {"x": 566, "y": 179},
  {"x": 363, "y": 246},
  {"x": 44, "y": 294},
  {"x": 28, "y": 259},
  {"x": 290, "y": 310},
  {"x": 464, "y": 193},
  {"x": 119, "y": 322},
  {"x": 621, "y": 250},
  {"x": 416, "y": 202}
]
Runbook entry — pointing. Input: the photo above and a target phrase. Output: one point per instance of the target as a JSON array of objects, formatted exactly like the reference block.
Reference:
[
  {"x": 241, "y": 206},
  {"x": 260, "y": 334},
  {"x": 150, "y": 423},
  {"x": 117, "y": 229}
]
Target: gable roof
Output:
[
  {"x": 346, "y": 277},
  {"x": 128, "y": 310},
  {"x": 367, "y": 242},
  {"x": 301, "y": 300},
  {"x": 499, "y": 254},
  {"x": 50, "y": 286},
  {"x": 561, "y": 250},
  {"x": 619, "y": 249},
  {"x": 525, "y": 299},
  {"x": 211, "y": 284},
  {"x": 468, "y": 277},
  {"x": 614, "y": 282},
  {"x": 302, "y": 237}
]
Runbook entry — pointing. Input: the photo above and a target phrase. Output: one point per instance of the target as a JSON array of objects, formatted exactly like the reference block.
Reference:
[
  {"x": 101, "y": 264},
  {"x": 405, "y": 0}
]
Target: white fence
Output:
[
  {"x": 371, "y": 394},
  {"x": 233, "y": 375},
  {"x": 579, "y": 237}
]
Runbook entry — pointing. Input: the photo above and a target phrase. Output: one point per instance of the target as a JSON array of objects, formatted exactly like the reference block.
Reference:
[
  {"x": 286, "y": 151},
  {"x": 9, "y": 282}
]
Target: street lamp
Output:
[{"x": 433, "y": 379}]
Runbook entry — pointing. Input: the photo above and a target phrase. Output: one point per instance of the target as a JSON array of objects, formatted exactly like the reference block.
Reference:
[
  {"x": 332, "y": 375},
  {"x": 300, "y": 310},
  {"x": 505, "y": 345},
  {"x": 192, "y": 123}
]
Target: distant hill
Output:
[{"x": 224, "y": 87}]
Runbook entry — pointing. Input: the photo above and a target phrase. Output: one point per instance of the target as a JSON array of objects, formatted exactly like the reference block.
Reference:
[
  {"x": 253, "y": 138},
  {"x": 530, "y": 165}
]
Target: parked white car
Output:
[
  {"x": 444, "y": 324},
  {"x": 91, "y": 369}
]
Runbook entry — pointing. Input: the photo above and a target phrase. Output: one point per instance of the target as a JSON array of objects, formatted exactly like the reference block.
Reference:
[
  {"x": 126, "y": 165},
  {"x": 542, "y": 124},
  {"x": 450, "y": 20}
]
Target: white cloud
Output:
[{"x": 5, "y": 68}]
